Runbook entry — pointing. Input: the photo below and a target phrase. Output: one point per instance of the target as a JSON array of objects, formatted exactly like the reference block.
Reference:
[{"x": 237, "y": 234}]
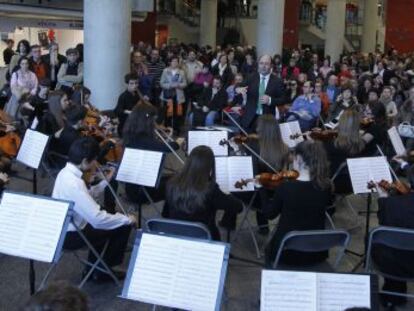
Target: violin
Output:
[
  {"x": 9, "y": 144},
  {"x": 239, "y": 139},
  {"x": 365, "y": 122},
  {"x": 318, "y": 134},
  {"x": 269, "y": 180},
  {"x": 395, "y": 188}
]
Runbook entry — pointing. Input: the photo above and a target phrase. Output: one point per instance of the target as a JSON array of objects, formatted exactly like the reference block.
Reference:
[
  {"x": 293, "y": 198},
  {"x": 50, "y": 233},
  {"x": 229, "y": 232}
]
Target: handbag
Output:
[{"x": 405, "y": 129}]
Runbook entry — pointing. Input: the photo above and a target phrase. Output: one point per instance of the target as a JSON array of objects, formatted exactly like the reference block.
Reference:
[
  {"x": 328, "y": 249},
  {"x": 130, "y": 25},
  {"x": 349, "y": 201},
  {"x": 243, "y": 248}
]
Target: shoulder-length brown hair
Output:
[
  {"x": 314, "y": 155},
  {"x": 272, "y": 147},
  {"x": 349, "y": 139}
]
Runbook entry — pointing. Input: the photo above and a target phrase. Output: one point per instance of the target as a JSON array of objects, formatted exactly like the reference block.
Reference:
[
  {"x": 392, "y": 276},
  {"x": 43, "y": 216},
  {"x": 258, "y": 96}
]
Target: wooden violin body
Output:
[
  {"x": 269, "y": 180},
  {"x": 9, "y": 144},
  {"x": 318, "y": 134},
  {"x": 395, "y": 188}
]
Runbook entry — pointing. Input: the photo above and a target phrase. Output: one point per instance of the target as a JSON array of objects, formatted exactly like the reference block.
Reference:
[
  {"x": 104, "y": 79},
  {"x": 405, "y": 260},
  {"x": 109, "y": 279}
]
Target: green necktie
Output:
[{"x": 262, "y": 89}]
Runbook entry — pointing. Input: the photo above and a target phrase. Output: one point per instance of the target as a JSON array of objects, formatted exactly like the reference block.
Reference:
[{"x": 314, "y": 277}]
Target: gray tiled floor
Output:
[{"x": 242, "y": 283}]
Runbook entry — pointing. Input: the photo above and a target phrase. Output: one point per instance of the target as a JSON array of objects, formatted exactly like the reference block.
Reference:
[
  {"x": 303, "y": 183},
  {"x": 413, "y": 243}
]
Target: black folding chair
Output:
[
  {"x": 179, "y": 228},
  {"x": 396, "y": 238},
  {"x": 313, "y": 241}
]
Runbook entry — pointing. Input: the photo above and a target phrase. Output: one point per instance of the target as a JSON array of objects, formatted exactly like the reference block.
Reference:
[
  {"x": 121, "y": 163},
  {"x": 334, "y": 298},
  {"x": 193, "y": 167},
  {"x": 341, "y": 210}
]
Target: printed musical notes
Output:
[
  {"x": 30, "y": 226},
  {"x": 177, "y": 273}
]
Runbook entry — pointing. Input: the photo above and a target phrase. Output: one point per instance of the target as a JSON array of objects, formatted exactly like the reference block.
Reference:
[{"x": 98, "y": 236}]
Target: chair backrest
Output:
[
  {"x": 311, "y": 241},
  {"x": 397, "y": 238},
  {"x": 179, "y": 228}
]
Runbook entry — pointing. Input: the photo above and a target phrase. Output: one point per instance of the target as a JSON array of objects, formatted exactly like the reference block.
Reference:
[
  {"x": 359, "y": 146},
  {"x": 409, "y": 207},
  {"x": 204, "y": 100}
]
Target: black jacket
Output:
[
  {"x": 297, "y": 212},
  {"x": 126, "y": 101},
  {"x": 217, "y": 102},
  {"x": 215, "y": 200},
  {"x": 275, "y": 89},
  {"x": 395, "y": 211}
]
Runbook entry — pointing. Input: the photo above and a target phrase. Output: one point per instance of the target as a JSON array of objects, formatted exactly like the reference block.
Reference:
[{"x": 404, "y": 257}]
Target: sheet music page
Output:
[
  {"x": 208, "y": 138},
  {"x": 240, "y": 168},
  {"x": 364, "y": 170},
  {"x": 291, "y": 128},
  {"x": 215, "y": 137},
  {"x": 177, "y": 273},
  {"x": 288, "y": 291},
  {"x": 140, "y": 167},
  {"x": 32, "y": 148},
  {"x": 337, "y": 292},
  {"x": 222, "y": 173},
  {"x": 30, "y": 227},
  {"x": 396, "y": 141}
]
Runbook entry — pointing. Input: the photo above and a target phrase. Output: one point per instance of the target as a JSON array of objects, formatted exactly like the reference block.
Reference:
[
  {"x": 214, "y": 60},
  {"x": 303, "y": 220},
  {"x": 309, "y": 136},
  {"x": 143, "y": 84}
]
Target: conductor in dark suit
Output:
[{"x": 264, "y": 92}]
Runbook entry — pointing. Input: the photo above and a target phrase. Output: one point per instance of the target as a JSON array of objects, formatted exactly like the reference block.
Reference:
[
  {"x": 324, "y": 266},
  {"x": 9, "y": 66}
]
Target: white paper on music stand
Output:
[
  {"x": 364, "y": 170},
  {"x": 299, "y": 291},
  {"x": 30, "y": 227},
  {"x": 288, "y": 291},
  {"x": 211, "y": 139},
  {"x": 177, "y": 273},
  {"x": 396, "y": 141},
  {"x": 337, "y": 292},
  {"x": 229, "y": 170},
  {"x": 32, "y": 148},
  {"x": 140, "y": 167},
  {"x": 287, "y": 130}
]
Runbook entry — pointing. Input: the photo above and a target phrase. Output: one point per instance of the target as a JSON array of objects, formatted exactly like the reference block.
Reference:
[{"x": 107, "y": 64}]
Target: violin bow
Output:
[
  {"x": 389, "y": 166},
  {"x": 246, "y": 146}
]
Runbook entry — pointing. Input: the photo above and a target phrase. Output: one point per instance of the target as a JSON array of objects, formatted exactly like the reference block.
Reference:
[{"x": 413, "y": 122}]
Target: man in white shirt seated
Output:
[{"x": 97, "y": 225}]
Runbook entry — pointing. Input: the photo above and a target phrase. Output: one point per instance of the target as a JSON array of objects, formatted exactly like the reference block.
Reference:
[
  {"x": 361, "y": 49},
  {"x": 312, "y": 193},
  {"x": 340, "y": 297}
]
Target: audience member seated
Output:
[{"x": 212, "y": 101}]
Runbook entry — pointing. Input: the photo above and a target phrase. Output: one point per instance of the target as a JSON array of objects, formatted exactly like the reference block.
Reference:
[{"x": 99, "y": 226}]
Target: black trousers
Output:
[{"x": 118, "y": 239}]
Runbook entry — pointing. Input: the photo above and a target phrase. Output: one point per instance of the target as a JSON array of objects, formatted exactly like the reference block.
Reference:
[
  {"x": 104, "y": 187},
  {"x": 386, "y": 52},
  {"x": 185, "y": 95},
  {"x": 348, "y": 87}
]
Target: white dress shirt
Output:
[{"x": 70, "y": 186}]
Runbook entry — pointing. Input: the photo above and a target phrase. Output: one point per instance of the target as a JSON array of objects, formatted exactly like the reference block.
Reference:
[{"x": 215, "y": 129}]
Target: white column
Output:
[
  {"x": 107, "y": 32},
  {"x": 270, "y": 25},
  {"x": 370, "y": 26},
  {"x": 335, "y": 29},
  {"x": 208, "y": 22}
]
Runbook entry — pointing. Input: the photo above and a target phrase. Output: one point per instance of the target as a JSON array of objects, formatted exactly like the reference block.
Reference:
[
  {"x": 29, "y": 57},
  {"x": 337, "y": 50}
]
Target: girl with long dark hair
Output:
[
  {"x": 301, "y": 203},
  {"x": 194, "y": 195}
]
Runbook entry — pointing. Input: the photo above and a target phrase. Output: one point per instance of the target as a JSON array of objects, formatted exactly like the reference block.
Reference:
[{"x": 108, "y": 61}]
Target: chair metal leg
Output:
[
  {"x": 150, "y": 200},
  {"x": 246, "y": 220},
  {"x": 46, "y": 277},
  {"x": 98, "y": 256},
  {"x": 330, "y": 220}
]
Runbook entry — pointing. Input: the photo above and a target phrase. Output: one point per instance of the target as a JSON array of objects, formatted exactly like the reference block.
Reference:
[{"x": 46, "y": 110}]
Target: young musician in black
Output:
[
  {"x": 395, "y": 211},
  {"x": 127, "y": 100},
  {"x": 193, "y": 194},
  {"x": 269, "y": 145},
  {"x": 139, "y": 133},
  {"x": 301, "y": 203}
]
